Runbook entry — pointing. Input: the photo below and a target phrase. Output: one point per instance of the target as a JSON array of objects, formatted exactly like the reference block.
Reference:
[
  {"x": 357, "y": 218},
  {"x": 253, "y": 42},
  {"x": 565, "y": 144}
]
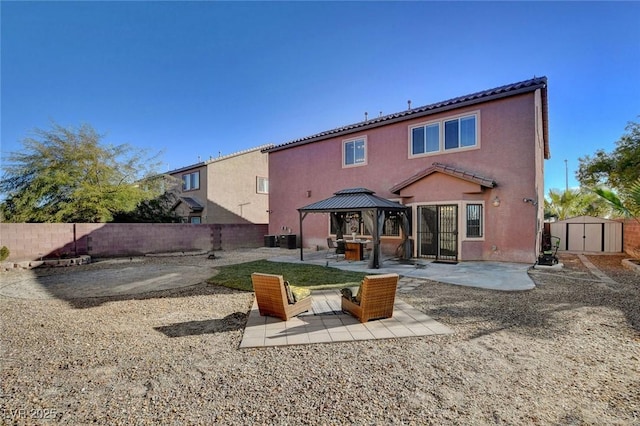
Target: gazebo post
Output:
[
  {"x": 302, "y": 216},
  {"x": 374, "y": 263}
]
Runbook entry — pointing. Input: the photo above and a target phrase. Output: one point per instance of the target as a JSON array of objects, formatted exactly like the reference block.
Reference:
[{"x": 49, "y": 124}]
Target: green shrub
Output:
[{"x": 4, "y": 253}]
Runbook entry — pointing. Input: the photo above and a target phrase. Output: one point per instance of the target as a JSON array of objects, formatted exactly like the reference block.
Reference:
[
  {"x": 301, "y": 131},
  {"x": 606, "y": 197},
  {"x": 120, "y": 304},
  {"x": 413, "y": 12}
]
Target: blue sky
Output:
[{"x": 198, "y": 79}]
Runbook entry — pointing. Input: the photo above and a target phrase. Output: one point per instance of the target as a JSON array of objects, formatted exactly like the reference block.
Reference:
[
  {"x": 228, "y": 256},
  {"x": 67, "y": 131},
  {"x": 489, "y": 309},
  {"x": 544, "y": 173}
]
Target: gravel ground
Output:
[{"x": 567, "y": 352}]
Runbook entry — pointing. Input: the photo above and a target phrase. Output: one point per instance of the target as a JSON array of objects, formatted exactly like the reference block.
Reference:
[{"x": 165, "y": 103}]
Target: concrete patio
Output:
[
  {"x": 326, "y": 323},
  {"x": 489, "y": 275}
]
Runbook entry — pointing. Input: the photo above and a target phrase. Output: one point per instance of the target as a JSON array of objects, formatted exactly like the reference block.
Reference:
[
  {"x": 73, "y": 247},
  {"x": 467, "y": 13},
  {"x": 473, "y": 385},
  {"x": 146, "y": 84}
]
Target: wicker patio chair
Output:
[
  {"x": 272, "y": 297},
  {"x": 377, "y": 294}
]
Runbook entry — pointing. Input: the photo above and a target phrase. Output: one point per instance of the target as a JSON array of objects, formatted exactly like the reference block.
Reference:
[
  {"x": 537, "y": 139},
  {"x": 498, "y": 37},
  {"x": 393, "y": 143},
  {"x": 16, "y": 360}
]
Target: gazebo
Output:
[{"x": 373, "y": 209}]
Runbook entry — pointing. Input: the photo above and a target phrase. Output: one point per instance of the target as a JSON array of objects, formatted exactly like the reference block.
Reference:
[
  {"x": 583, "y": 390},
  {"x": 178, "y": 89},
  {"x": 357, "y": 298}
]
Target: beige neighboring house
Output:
[{"x": 229, "y": 189}]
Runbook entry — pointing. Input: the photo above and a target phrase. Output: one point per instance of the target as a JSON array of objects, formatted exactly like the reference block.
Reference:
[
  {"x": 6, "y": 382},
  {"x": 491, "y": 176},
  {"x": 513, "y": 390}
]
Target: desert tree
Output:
[
  {"x": 616, "y": 170},
  {"x": 67, "y": 174},
  {"x": 615, "y": 176}
]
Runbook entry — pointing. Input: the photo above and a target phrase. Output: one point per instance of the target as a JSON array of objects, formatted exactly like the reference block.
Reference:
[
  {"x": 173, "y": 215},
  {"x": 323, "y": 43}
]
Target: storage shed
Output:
[{"x": 588, "y": 234}]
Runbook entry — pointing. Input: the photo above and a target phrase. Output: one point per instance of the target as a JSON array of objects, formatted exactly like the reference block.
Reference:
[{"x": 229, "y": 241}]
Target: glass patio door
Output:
[{"x": 438, "y": 232}]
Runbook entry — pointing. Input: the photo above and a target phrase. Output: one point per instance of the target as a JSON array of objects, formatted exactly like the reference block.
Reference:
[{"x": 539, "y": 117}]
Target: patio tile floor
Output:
[{"x": 326, "y": 323}]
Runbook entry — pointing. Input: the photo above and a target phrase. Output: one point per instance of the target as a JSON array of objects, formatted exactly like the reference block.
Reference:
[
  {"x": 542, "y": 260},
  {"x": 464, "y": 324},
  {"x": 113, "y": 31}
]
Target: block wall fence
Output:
[
  {"x": 32, "y": 241},
  {"x": 631, "y": 236}
]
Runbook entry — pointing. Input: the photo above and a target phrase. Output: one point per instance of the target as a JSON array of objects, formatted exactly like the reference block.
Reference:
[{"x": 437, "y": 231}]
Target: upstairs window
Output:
[
  {"x": 425, "y": 139},
  {"x": 444, "y": 135},
  {"x": 460, "y": 133},
  {"x": 355, "y": 152},
  {"x": 191, "y": 181}
]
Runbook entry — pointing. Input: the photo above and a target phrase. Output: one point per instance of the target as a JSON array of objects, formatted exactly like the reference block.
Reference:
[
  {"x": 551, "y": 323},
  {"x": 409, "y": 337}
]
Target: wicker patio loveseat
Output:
[
  {"x": 273, "y": 300},
  {"x": 374, "y": 298}
]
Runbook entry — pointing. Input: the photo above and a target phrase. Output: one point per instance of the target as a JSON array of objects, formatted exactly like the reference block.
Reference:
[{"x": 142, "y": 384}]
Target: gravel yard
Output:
[{"x": 567, "y": 352}]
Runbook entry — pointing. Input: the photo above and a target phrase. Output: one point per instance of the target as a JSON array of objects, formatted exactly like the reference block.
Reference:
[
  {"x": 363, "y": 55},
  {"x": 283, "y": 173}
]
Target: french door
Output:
[{"x": 438, "y": 232}]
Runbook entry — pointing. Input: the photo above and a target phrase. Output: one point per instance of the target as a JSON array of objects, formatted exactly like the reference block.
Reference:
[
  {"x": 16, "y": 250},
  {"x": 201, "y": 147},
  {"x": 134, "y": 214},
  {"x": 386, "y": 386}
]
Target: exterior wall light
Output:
[{"x": 496, "y": 202}]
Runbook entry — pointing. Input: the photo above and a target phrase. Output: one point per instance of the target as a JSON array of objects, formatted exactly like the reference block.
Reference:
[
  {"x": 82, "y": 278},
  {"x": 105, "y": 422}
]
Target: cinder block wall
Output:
[
  {"x": 31, "y": 241},
  {"x": 234, "y": 236},
  {"x": 631, "y": 237}
]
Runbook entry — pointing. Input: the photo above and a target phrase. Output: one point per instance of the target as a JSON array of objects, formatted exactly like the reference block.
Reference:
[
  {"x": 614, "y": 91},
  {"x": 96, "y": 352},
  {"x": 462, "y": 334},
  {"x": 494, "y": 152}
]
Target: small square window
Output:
[
  {"x": 391, "y": 227},
  {"x": 262, "y": 185},
  {"x": 355, "y": 152},
  {"x": 191, "y": 181},
  {"x": 474, "y": 220}
]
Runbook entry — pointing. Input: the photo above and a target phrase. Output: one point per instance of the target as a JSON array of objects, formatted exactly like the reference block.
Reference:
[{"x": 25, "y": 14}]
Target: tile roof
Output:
[
  {"x": 474, "y": 98},
  {"x": 448, "y": 170},
  {"x": 352, "y": 199},
  {"x": 261, "y": 148}
]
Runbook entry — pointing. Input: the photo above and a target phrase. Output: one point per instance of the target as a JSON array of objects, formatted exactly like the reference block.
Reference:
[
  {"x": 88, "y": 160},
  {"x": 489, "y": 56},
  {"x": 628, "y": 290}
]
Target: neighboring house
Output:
[
  {"x": 229, "y": 189},
  {"x": 470, "y": 169}
]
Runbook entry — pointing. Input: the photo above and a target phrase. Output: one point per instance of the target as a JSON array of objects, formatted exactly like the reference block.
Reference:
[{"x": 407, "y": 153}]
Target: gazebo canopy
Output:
[
  {"x": 352, "y": 199},
  {"x": 374, "y": 208}
]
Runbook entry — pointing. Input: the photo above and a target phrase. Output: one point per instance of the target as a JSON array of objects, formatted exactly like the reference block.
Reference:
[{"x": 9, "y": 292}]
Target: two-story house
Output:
[
  {"x": 470, "y": 169},
  {"x": 228, "y": 189}
]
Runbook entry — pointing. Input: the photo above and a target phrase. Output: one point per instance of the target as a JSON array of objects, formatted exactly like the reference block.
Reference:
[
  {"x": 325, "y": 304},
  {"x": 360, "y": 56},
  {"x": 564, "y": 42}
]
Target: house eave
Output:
[{"x": 424, "y": 111}]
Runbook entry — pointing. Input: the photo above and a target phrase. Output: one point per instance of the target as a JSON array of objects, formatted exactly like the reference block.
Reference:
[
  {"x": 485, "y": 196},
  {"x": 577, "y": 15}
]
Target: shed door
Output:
[
  {"x": 575, "y": 236},
  {"x": 593, "y": 233},
  {"x": 585, "y": 236}
]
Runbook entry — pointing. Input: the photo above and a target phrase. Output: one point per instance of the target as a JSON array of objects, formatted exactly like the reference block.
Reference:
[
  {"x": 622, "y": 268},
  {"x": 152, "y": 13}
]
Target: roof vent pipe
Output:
[
  {"x": 366, "y": 116},
  {"x": 409, "y": 104}
]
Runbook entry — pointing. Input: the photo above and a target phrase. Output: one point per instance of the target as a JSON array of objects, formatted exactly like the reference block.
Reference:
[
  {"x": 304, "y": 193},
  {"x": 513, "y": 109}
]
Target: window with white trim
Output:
[
  {"x": 391, "y": 227},
  {"x": 474, "y": 221},
  {"x": 425, "y": 139},
  {"x": 262, "y": 185},
  {"x": 191, "y": 181},
  {"x": 354, "y": 152},
  {"x": 444, "y": 135},
  {"x": 460, "y": 132}
]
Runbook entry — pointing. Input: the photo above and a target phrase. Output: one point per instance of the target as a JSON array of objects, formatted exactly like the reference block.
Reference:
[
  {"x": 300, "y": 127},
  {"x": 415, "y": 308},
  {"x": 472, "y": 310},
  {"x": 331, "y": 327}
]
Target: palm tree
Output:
[
  {"x": 628, "y": 204},
  {"x": 574, "y": 202}
]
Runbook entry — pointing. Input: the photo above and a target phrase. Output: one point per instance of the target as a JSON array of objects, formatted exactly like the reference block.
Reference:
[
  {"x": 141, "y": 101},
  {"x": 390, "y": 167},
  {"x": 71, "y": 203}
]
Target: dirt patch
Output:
[{"x": 566, "y": 352}]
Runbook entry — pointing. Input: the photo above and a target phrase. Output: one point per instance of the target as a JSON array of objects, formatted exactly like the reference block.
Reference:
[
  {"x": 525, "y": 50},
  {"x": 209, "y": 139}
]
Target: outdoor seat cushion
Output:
[
  {"x": 348, "y": 293},
  {"x": 294, "y": 293},
  {"x": 300, "y": 293},
  {"x": 290, "y": 297}
]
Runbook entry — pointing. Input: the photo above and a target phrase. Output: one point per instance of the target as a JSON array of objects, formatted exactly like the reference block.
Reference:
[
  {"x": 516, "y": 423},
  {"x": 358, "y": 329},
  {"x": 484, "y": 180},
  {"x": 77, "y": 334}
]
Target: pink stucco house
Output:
[{"x": 470, "y": 169}]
